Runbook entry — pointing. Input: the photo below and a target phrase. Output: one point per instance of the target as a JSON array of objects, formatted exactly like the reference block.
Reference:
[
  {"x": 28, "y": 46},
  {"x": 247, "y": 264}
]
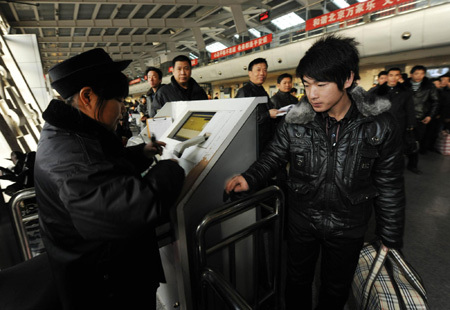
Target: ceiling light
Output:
[
  {"x": 288, "y": 20},
  {"x": 341, "y": 3},
  {"x": 215, "y": 47},
  {"x": 255, "y": 32}
]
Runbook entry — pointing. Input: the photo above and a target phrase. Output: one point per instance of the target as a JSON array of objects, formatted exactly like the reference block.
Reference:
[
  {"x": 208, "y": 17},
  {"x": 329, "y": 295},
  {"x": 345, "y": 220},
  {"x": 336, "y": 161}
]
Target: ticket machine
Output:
[{"x": 212, "y": 140}]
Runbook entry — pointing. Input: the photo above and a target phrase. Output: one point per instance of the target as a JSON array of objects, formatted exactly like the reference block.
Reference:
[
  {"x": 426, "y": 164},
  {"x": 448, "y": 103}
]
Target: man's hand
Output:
[
  {"x": 153, "y": 148},
  {"x": 236, "y": 184},
  {"x": 426, "y": 120},
  {"x": 273, "y": 113}
]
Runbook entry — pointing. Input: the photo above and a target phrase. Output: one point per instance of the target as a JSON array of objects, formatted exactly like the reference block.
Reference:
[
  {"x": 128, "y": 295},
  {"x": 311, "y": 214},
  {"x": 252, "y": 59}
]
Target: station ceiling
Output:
[{"x": 141, "y": 30}]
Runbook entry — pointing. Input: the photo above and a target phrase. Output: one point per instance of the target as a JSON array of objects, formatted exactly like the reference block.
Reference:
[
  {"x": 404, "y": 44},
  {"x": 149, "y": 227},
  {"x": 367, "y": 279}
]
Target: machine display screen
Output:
[{"x": 192, "y": 127}]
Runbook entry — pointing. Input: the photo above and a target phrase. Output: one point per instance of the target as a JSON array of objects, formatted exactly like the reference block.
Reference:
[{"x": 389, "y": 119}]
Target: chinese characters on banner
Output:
[
  {"x": 242, "y": 47},
  {"x": 194, "y": 62},
  {"x": 355, "y": 10}
]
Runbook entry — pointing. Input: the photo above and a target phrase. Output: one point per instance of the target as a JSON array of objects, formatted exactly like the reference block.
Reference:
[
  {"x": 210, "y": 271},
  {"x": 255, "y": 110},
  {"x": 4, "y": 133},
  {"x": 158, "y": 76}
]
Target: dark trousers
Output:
[
  {"x": 419, "y": 131},
  {"x": 431, "y": 133},
  {"x": 338, "y": 264}
]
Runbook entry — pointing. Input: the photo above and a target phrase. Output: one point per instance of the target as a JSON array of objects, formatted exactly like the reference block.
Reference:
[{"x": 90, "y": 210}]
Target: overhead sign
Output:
[
  {"x": 263, "y": 16},
  {"x": 355, "y": 10},
  {"x": 242, "y": 47},
  {"x": 194, "y": 62}
]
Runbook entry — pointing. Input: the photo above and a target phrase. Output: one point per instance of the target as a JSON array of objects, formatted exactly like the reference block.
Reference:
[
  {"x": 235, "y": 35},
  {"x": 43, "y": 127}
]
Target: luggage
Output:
[
  {"x": 443, "y": 142},
  {"x": 384, "y": 280}
]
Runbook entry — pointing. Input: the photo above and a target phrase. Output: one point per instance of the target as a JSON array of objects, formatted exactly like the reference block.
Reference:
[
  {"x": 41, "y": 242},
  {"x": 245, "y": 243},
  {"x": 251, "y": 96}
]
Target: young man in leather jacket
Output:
[{"x": 345, "y": 158}]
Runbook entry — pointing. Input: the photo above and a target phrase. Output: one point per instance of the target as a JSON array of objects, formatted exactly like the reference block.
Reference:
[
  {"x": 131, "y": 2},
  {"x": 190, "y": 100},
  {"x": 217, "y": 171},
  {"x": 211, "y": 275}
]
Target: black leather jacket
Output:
[
  {"x": 402, "y": 105},
  {"x": 174, "y": 92},
  {"x": 266, "y": 125},
  {"x": 334, "y": 190},
  {"x": 281, "y": 99},
  {"x": 152, "y": 107},
  {"x": 97, "y": 213},
  {"x": 426, "y": 99}
]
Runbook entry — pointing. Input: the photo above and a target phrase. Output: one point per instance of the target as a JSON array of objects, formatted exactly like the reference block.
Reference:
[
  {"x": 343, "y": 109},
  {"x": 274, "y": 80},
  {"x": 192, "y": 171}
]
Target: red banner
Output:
[
  {"x": 355, "y": 10},
  {"x": 135, "y": 81},
  {"x": 242, "y": 47},
  {"x": 194, "y": 62}
]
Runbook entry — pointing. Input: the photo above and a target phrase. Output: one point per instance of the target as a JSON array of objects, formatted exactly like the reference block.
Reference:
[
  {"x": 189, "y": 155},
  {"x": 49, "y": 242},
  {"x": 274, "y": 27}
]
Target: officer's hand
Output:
[{"x": 153, "y": 148}]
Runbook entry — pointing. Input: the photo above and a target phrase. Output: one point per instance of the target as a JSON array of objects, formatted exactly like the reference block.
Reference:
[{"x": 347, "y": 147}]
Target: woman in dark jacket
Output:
[{"x": 97, "y": 212}]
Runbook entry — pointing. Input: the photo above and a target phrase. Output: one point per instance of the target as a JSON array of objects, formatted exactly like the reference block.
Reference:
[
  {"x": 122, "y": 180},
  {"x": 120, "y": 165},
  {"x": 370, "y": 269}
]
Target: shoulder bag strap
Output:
[
  {"x": 410, "y": 274},
  {"x": 373, "y": 274}
]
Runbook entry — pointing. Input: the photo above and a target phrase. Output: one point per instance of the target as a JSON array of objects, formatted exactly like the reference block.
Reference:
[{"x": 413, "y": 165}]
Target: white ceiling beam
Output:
[
  {"x": 135, "y": 10},
  {"x": 95, "y": 12},
  {"x": 118, "y": 23},
  {"x": 14, "y": 12},
  {"x": 239, "y": 21},
  {"x": 76, "y": 10},
  {"x": 114, "y": 38},
  {"x": 199, "y": 38},
  {"x": 160, "y": 2}
]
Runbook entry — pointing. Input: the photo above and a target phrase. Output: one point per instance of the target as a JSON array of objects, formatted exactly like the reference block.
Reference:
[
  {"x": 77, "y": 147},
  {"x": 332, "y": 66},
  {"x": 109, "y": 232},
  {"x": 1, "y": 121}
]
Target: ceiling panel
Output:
[{"x": 142, "y": 30}]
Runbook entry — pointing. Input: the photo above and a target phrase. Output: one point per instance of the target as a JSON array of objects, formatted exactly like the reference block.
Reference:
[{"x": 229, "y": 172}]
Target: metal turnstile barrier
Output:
[
  {"x": 264, "y": 268},
  {"x": 24, "y": 213}
]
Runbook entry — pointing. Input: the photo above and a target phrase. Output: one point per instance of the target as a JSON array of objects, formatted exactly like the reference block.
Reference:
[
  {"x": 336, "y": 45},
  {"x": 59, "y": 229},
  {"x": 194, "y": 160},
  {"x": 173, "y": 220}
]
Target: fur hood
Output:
[{"x": 367, "y": 104}]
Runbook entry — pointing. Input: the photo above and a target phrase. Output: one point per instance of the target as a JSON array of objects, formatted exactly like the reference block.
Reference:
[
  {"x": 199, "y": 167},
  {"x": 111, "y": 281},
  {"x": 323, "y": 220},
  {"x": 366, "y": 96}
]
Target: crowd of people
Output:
[
  {"x": 345, "y": 147},
  {"x": 338, "y": 154},
  {"x": 421, "y": 107}
]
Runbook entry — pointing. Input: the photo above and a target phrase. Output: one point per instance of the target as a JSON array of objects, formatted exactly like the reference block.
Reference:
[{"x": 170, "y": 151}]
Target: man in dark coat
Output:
[
  {"x": 445, "y": 95},
  {"x": 257, "y": 73},
  {"x": 345, "y": 158},
  {"x": 97, "y": 213},
  {"x": 154, "y": 78},
  {"x": 283, "y": 97},
  {"x": 182, "y": 86},
  {"x": 426, "y": 104},
  {"x": 402, "y": 105}
]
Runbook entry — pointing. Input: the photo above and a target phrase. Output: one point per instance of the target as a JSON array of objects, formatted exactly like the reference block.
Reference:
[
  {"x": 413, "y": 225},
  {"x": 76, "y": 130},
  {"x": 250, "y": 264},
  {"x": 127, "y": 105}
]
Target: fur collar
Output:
[
  {"x": 367, "y": 104},
  {"x": 66, "y": 117}
]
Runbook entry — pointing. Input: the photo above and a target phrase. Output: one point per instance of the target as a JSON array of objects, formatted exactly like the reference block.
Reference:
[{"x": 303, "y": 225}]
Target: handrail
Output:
[
  {"x": 230, "y": 210},
  {"x": 223, "y": 287},
  {"x": 18, "y": 220}
]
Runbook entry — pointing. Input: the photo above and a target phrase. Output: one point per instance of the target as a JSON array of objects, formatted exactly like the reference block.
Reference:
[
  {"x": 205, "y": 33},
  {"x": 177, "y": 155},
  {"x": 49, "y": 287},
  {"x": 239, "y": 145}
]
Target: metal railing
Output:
[
  {"x": 265, "y": 255},
  {"x": 298, "y": 33},
  {"x": 25, "y": 222}
]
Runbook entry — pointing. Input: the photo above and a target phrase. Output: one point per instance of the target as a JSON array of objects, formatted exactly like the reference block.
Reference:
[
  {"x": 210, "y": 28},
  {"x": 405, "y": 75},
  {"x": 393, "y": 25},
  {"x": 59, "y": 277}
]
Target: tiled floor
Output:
[
  {"x": 427, "y": 228},
  {"x": 427, "y": 231}
]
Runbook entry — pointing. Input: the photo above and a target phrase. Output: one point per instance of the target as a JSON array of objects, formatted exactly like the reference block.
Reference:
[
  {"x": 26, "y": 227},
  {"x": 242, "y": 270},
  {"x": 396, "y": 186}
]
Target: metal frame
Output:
[
  {"x": 210, "y": 277},
  {"x": 19, "y": 221}
]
